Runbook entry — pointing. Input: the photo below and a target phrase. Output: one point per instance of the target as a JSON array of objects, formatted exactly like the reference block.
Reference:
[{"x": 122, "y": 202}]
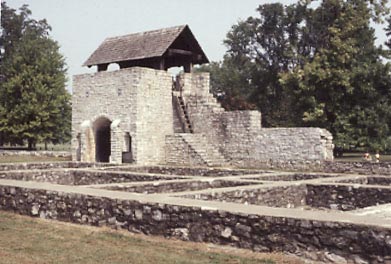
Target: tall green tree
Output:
[
  {"x": 313, "y": 63},
  {"x": 339, "y": 86},
  {"x": 34, "y": 104},
  {"x": 259, "y": 48}
]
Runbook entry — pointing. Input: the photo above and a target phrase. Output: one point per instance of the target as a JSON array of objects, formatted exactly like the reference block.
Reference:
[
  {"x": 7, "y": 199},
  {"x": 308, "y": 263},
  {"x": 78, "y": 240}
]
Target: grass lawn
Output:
[
  {"x": 30, "y": 240},
  {"x": 28, "y": 158},
  {"x": 358, "y": 157}
]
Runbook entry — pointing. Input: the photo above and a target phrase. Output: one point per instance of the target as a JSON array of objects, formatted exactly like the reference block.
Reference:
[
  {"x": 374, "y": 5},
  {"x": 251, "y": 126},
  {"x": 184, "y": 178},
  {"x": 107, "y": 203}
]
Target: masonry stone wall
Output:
[
  {"x": 140, "y": 107},
  {"x": 297, "y": 146},
  {"x": 49, "y": 165},
  {"x": 204, "y": 110},
  {"x": 154, "y": 114},
  {"x": 39, "y": 153},
  {"x": 192, "y": 171},
  {"x": 281, "y": 196},
  {"x": 361, "y": 167},
  {"x": 81, "y": 177},
  {"x": 320, "y": 196},
  {"x": 318, "y": 240},
  {"x": 172, "y": 187},
  {"x": 179, "y": 152},
  {"x": 239, "y": 137},
  {"x": 137, "y": 102}
]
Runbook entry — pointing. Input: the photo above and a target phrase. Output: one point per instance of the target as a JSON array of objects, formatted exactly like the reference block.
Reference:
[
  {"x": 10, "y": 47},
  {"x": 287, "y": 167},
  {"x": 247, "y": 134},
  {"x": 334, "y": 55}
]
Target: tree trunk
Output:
[
  {"x": 46, "y": 145},
  {"x": 30, "y": 144}
]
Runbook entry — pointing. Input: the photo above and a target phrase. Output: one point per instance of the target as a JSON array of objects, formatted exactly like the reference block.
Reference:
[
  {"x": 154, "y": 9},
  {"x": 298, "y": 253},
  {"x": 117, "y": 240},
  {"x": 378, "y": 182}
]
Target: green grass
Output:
[
  {"x": 354, "y": 156},
  {"x": 41, "y": 146},
  {"x": 29, "y": 240},
  {"x": 28, "y": 158},
  {"x": 51, "y": 147}
]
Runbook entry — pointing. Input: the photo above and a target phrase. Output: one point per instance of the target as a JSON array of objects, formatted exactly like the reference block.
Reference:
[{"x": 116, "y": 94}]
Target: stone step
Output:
[{"x": 200, "y": 145}]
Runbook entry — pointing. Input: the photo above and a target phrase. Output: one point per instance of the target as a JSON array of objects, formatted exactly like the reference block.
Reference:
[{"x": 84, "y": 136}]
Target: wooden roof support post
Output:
[
  {"x": 102, "y": 67},
  {"x": 162, "y": 64},
  {"x": 188, "y": 67}
]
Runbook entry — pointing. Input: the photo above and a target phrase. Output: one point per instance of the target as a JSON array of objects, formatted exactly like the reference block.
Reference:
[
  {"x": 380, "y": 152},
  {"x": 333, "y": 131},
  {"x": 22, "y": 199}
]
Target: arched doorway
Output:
[{"x": 102, "y": 139}]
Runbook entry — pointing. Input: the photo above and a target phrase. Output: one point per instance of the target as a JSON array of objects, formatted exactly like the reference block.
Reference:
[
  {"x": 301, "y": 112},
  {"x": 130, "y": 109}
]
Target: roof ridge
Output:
[
  {"x": 141, "y": 33},
  {"x": 141, "y": 45}
]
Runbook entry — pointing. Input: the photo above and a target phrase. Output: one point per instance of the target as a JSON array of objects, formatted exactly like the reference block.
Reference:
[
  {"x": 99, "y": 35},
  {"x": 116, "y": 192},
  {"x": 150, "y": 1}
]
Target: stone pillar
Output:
[
  {"x": 117, "y": 142},
  {"x": 87, "y": 141}
]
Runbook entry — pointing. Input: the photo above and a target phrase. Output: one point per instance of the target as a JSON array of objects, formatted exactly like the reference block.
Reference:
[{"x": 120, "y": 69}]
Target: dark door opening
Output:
[{"x": 102, "y": 140}]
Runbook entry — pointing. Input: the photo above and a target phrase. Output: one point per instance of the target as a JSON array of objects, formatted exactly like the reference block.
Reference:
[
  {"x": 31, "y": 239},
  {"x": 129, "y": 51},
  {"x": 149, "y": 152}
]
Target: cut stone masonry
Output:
[
  {"x": 328, "y": 217},
  {"x": 146, "y": 113},
  {"x": 132, "y": 115}
]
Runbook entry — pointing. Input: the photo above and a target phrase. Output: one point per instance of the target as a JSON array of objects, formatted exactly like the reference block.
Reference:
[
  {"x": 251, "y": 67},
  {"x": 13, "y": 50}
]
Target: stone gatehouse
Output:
[{"x": 139, "y": 114}]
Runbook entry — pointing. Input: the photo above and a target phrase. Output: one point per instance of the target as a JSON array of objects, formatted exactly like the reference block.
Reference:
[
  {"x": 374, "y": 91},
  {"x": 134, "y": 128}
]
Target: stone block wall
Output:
[
  {"x": 39, "y": 153},
  {"x": 320, "y": 196},
  {"x": 49, "y": 165},
  {"x": 102, "y": 94},
  {"x": 346, "y": 198},
  {"x": 154, "y": 115},
  {"x": 289, "y": 148},
  {"x": 311, "y": 238},
  {"x": 281, "y": 196},
  {"x": 80, "y": 177},
  {"x": 137, "y": 102},
  {"x": 242, "y": 141},
  {"x": 179, "y": 152},
  {"x": 362, "y": 167}
]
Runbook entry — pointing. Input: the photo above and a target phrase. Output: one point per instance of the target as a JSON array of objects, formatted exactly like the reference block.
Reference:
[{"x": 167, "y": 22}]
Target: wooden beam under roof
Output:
[{"x": 179, "y": 51}]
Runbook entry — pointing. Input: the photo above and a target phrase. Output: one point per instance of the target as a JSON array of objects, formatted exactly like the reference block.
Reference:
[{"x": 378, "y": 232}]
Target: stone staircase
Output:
[
  {"x": 206, "y": 151},
  {"x": 182, "y": 114}
]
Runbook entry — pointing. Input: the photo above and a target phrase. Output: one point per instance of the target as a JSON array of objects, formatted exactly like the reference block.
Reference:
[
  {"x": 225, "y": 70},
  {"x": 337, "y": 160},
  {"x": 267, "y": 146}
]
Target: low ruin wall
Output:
[
  {"x": 325, "y": 196},
  {"x": 43, "y": 153},
  {"x": 80, "y": 177},
  {"x": 360, "y": 167},
  {"x": 308, "y": 238},
  {"x": 50, "y": 165}
]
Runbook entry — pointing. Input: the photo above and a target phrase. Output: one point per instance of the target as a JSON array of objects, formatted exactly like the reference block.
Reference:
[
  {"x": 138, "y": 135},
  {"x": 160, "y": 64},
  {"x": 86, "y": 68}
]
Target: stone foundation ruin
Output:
[
  {"x": 331, "y": 217},
  {"x": 138, "y": 114}
]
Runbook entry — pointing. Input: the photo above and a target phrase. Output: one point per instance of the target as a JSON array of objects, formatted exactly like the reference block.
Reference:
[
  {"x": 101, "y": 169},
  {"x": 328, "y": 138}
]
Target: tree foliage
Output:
[
  {"x": 313, "y": 63},
  {"x": 34, "y": 104}
]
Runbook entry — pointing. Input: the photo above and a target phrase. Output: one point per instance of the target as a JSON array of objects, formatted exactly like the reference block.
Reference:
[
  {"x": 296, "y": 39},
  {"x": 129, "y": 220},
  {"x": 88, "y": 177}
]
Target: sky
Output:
[{"x": 80, "y": 26}]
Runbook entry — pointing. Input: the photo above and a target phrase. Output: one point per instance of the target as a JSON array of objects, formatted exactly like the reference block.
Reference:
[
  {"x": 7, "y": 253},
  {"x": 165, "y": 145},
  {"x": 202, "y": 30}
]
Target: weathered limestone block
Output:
[{"x": 136, "y": 102}]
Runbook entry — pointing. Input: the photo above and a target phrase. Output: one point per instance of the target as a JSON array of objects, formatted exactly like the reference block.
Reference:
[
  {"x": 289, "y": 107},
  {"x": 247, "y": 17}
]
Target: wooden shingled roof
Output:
[{"x": 146, "y": 45}]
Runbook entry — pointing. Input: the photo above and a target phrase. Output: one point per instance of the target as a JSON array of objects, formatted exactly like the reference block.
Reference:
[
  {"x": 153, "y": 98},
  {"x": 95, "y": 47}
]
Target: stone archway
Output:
[{"x": 102, "y": 139}]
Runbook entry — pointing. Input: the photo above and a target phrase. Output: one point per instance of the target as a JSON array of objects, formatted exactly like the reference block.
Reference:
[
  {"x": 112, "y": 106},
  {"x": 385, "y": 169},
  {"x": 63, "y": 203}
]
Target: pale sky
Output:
[{"x": 80, "y": 26}]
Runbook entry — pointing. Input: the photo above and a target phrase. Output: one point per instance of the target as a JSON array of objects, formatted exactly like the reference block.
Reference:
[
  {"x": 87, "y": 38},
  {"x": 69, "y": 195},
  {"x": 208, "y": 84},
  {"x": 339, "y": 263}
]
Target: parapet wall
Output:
[{"x": 282, "y": 148}]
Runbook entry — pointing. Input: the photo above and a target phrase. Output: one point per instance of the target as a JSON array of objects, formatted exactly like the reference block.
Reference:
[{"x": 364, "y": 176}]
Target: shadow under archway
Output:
[{"x": 102, "y": 139}]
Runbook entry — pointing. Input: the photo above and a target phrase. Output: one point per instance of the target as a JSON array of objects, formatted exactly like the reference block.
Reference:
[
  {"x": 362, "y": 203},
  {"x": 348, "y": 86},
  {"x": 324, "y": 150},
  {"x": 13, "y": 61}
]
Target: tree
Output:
[
  {"x": 34, "y": 104},
  {"x": 259, "y": 48},
  {"x": 338, "y": 87},
  {"x": 311, "y": 64}
]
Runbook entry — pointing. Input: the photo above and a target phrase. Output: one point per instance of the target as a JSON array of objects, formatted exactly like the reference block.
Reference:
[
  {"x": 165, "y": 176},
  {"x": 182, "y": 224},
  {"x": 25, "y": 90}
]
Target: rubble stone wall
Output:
[
  {"x": 340, "y": 241},
  {"x": 39, "y": 153},
  {"x": 80, "y": 177}
]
